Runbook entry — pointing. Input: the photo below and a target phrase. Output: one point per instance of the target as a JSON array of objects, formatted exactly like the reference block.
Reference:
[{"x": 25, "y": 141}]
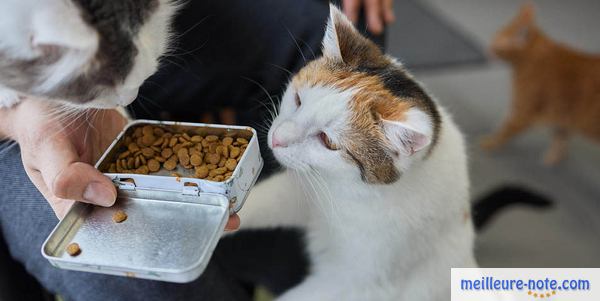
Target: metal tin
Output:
[{"x": 173, "y": 223}]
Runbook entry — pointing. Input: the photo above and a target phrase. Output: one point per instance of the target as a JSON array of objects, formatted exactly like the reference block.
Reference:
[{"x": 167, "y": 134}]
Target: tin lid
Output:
[{"x": 166, "y": 236}]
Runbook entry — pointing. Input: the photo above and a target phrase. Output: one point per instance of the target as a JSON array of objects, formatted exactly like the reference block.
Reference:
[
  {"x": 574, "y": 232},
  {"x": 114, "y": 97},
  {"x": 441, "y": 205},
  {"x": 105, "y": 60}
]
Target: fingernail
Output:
[{"x": 99, "y": 194}]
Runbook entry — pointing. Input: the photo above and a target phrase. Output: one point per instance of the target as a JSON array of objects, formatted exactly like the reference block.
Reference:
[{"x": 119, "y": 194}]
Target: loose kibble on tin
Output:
[
  {"x": 151, "y": 149},
  {"x": 119, "y": 216},
  {"x": 73, "y": 249}
]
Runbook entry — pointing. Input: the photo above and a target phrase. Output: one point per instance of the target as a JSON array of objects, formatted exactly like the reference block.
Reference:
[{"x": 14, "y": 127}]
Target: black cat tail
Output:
[{"x": 484, "y": 209}]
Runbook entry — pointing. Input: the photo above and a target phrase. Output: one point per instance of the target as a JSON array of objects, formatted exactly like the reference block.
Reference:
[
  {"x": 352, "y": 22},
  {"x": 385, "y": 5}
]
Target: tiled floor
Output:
[{"x": 569, "y": 234}]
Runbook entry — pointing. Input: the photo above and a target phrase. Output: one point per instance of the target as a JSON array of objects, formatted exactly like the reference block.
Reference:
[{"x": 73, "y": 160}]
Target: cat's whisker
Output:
[
  {"x": 273, "y": 105},
  {"x": 179, "y": 36},
  {"x": 295, "y": 42},
  {"x": 290, "y": 73}
]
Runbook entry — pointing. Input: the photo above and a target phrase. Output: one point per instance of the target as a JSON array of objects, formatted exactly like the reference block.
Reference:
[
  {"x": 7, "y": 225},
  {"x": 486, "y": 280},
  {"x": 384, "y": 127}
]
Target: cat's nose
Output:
[{"x": 275, "y": 142}]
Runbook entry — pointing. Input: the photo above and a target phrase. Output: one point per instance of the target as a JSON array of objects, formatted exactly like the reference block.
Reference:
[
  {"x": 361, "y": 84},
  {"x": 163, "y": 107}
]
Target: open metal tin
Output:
[{"x": 173, "y": 223}]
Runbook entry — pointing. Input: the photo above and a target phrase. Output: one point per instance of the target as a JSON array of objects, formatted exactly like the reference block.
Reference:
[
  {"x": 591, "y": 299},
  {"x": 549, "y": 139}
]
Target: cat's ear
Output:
[
  {"x": 342, "y": 42},
  {"x": 409, "y": 135},
  {"x": 527, "y": 12},
  {"x": 61, "y": 26}
]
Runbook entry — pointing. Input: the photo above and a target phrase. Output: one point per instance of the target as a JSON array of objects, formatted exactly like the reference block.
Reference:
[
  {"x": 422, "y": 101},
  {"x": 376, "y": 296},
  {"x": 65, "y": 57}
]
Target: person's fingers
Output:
[
  {"x": 388, "y": 11},
  {"x": 57, "y": 161},
  {"x": 227, "y": 116},
  {"x": 59, "y": 206},
  {"x": 352, "y": 9},
  {"x": 233, "y": 223},
  {"x": 373, "y": 11}
]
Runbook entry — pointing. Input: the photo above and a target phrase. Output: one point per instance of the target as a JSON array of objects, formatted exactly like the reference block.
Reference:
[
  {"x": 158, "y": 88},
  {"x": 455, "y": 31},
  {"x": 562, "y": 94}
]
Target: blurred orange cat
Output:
[{"x": 553, "y": 85}]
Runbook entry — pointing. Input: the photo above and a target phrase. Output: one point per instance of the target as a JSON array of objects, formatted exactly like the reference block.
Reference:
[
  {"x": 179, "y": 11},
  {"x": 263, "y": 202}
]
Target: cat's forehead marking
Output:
[{"x": 369, "y": 90}]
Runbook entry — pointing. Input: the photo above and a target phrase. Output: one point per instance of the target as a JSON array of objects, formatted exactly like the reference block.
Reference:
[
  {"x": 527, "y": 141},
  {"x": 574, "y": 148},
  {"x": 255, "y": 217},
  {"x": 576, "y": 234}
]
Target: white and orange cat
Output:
[{"x": 376, "y": 176}]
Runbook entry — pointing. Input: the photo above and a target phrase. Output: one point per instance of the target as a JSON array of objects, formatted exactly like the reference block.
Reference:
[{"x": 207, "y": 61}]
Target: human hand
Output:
[
  {"x": 58, "y": 152},
  {"x": 377, "y": 12}
]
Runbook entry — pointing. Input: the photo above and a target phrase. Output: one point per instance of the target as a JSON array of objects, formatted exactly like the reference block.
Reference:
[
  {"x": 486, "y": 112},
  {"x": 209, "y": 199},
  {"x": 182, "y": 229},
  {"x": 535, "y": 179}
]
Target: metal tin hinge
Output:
[
  {"x": 125, "y": 184},
  {"x": 191, "y": 190}
]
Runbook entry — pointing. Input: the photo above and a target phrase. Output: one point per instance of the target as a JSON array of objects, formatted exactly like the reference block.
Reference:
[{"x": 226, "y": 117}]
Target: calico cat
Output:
[
  {"x": 553, "y": 85},
  {"x": 376, "y": 176},
  {"x": 85, "y": 53}
]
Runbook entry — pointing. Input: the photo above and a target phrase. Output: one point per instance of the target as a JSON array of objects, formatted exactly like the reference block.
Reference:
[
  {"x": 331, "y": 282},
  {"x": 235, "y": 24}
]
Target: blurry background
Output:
[{"x": 477, "y": 93}]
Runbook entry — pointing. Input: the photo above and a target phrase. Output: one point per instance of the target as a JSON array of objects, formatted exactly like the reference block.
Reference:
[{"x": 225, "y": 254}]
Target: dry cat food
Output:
[
  {"x": 73, "y": 249},
  {"x": 151, "y": 149},
  {"x": 119, "y": 216}
]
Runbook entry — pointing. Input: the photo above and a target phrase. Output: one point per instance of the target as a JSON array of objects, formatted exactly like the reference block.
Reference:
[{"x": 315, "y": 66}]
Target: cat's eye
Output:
[
  {"x": 298, "y": 102},
  {"x": 327, "y": 142}
]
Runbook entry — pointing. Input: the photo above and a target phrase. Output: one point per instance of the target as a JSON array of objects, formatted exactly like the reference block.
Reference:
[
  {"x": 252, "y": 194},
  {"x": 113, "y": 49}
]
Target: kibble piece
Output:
[
  {"x": 242, "y": 140},
  {"x": 143, "y": 159},
  {"x": 119, "y": 216},
  {"x": 173, "y": 141},
  {"x": 159, "y": 132},
  {"x": 153, "y": 165},
  {"x": 160, "y": 159},
  {"x": 137, "y": 162},
  {"x": 165, "y": 142},
  {"x": 227, "y": 141},
  {"x": 130, "y": 163},
  {"x": 231, "y": 164},
  {"x": 170, "y": 164},
  {"x": 211, "y": 138},
  {"x": 124, "y": 155},
  {"x": 158, "y": 141},
  {"x": 137, "y": 133},
  {"x": 177, "y": 147},
  {"x": 196, "y": 139},
  {"x": 143, "y": 170},
  {"x": 202, "y": 171},
  {"x": 133, "y": 147},
  {"x": 148, "y": 130},
  {"x": 166, "y": 153},
  {"x": 217, "y": 171},
  {"x": 211, "y": 166},
  {"x": 184, "y": 157},
  {"x": 148, "y": 140},
  {"x": 148, "y": 152},
  {"x": 73, "y": 249},
  {"x": 196, "y": 160},
  {"x": 234, "y": 152},
  {"x": 212, "y": 158}
]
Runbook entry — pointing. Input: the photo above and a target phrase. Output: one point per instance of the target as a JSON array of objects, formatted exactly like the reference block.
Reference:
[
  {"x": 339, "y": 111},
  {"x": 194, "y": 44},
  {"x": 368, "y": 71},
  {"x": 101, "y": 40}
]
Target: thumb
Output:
[
  {"x": 82, "y": 182},
  {"x": 67, "y": 178}
]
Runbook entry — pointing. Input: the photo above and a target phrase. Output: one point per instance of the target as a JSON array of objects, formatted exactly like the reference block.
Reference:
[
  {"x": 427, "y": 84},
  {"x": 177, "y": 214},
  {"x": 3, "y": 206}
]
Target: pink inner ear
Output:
[
  {"x": 405, "y": 139},
  {"x": 418, "y": 142}
]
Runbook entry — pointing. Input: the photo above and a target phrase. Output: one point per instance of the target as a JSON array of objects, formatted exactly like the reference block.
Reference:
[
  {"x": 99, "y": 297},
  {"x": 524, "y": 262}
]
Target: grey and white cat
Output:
[
  {"x": 376, "y": 177},
  {"x": 86, "y": 53}
]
